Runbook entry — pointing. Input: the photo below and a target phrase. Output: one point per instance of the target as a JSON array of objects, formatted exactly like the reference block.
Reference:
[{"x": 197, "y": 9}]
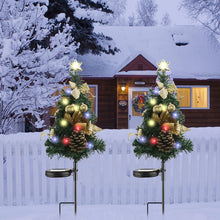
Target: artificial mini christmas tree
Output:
[
  {"x": 73, "y": 133},
  {"x": 161, "y": 133}
]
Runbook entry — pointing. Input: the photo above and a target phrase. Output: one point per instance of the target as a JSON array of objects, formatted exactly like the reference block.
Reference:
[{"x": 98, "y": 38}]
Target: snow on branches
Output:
[
  {"x": 206, "y": 12},
  {"x": 31, "y": 62}
]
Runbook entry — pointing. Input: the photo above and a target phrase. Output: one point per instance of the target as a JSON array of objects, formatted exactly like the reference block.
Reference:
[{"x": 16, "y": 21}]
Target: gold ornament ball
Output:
[
  {"x": 83, "y": 108},
  {"x": 69, "y": 109},
  {"x": 157, "y": 109},
  {"x": 171, "y": 108}
]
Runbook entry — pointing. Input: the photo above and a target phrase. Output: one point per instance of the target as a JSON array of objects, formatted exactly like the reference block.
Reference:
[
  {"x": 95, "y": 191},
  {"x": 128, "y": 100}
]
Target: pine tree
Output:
[
  {"x": 81, "y": 16},
  {"x": 146, "y": 11},
  {"x": 73, "y": 133},
  {"x": 161, "y": 132}
]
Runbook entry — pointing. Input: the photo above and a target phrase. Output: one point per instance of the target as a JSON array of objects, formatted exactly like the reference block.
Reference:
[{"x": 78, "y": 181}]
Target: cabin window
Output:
[
  {"x": 93, "y": 96},
  {"x": 193, "y": 97}
]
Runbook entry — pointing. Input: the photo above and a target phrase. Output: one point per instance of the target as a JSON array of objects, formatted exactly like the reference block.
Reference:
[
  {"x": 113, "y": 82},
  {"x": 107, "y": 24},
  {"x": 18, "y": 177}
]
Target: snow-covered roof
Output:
[{"x": 192, "y": 51}]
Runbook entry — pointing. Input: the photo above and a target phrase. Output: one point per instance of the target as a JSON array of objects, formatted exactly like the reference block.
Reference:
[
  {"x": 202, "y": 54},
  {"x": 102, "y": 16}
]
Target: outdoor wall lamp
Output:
[{"x": 123, "y": 86}]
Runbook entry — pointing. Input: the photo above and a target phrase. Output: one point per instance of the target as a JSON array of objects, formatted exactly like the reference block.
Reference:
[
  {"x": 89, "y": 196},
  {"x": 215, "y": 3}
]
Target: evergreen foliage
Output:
[
  {"x": 59, "y": 132},
  {"x": 81, "y": 16},
  {"x": 170, "y": 115}
]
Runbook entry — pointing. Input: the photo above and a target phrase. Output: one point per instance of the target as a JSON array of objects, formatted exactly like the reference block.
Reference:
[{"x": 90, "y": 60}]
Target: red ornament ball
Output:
[
  {"x": 165, "y": 127},
  {"x": 66, "y": 141},
  {"x": 153, "y": 141},
  {"x": 77, "y": 127}
]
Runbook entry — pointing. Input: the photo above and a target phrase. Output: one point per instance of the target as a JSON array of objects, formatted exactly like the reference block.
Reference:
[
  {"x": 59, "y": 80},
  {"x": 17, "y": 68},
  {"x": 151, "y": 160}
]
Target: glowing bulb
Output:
[
  {"x": 68, "y": 91},
  {"x": 87, "y": 115},
  {"x": 63, "y": 123},
  {"x": 156, "y": 91},
  {"x": 76, "y": 108},
  {"x": 142, "y": 139},
  {"x": 153, "y": 141},
  {"x": 77, "y": 127},
  {"x": 177, "y": 145},
  {"x": 165, "y": 127},
  {"x": 123, "y": 88},
  {"x": 151, "y": 123},
  {"x": 153, "y": 101},
  {"x": 90, "y": 145},
  {"x": 55, "y": 139},
  {"x": 66, "y": 141},
  {"x": 175, "y": 115},
  {"x": 65, "y": 101},
  {"x": 163, "y": 107}
]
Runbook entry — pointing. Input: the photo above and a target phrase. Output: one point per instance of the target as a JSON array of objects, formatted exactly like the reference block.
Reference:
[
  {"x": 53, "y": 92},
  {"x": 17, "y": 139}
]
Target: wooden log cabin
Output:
[{"x": 194, "y": 57}]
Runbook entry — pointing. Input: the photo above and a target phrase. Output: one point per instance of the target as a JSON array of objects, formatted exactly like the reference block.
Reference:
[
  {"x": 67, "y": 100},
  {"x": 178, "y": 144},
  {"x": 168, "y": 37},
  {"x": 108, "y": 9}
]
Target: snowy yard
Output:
[{"x": 186, "y": 211}]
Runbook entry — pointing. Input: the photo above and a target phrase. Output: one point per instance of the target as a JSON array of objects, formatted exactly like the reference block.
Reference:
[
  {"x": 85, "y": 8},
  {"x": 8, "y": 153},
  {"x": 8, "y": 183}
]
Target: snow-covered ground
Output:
[{"x": 187, "y": 211}]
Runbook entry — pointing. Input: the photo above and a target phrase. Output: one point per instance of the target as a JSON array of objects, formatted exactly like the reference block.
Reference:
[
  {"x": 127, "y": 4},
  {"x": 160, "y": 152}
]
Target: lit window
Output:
[
  {"x": 200, "y": 97},
  {"x": 193, "y": 97},
  {"x": 184, "y": 97},
  {"x": 93, "y": 96}
]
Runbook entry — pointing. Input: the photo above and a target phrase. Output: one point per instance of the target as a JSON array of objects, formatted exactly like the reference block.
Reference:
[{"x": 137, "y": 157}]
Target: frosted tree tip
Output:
[
  {"x": 163, "y": 66},
  {"x": 75, "y": 66}
]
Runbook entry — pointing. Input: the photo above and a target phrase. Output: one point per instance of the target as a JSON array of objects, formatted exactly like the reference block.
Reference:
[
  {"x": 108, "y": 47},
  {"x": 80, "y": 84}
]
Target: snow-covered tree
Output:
[
  {"x": 37, "y": 41},
  {"x": 81, "y": 15},
  {"x": 131, "y": 20},
  {"x": 166, "y": 20},
  {"x": 206, "y": 12},
  {"x": 146, "y": 10},
  {"x": 118, "y": 7},
  {"x": 31, "y": 63}
]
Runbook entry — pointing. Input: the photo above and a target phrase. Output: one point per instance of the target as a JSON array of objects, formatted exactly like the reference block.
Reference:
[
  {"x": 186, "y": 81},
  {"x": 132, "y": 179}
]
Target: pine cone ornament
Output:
[
  {"x": 165, "y": 141},
  {"x": 77, "y": 141}
]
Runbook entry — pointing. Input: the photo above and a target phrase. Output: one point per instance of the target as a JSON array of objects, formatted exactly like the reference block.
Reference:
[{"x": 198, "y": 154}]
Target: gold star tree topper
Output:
[
  {"x": 163, "y": 66},
  {"x": 75, "y": 66}
]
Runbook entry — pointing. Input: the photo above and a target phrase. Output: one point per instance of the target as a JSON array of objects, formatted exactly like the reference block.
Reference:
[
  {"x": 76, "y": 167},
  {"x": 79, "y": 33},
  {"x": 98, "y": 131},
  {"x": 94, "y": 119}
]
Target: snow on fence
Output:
[{"x": 106, "y": 178}]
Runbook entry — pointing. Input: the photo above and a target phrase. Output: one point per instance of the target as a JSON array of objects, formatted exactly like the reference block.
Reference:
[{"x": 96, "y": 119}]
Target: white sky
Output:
[{"x": 178, "y": 17}]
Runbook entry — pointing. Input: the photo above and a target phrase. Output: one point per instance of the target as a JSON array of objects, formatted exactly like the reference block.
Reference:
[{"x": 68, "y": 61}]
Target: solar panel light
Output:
[{"x": 58, "y": 172}]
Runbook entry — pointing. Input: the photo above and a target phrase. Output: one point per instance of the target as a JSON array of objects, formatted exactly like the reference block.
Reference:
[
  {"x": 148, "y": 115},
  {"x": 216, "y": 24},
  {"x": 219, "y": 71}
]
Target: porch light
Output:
[{"x": 123, "y": 86}]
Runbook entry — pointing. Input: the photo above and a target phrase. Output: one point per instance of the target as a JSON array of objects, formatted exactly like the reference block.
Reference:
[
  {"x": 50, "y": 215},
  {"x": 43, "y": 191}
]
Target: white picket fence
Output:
[{"x": 106, "y": 178}]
